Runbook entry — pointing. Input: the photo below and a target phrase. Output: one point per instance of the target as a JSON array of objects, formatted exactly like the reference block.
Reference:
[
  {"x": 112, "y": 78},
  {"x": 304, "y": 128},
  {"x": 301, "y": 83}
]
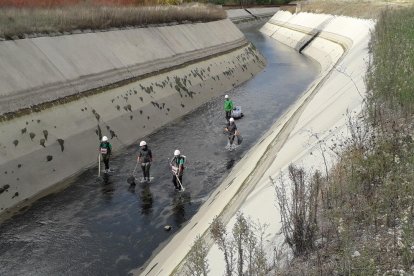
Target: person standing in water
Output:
[
  {"x": 231, "y": 132},
  {"x": 105, "y": 149},
  {"x": 177, "y": 168},
  {"x": 228, "y": 107},
  {"x": 145, "y": 158}
]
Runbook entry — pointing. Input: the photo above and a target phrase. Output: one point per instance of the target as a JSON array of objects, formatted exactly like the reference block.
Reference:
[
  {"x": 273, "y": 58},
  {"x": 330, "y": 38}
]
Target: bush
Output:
[{"x": 298, "y": 205}]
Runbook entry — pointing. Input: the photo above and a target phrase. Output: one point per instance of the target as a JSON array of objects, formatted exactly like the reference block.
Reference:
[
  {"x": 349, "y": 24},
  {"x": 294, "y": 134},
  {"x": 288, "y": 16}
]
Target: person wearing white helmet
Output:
[
  {"x": 177, "y": 168},
  {"x": 231, "y": 129},
  {"x": 228, "y": 106},
  {"x": 145, "y": 158},
  {"x": 105, "y": 149}
]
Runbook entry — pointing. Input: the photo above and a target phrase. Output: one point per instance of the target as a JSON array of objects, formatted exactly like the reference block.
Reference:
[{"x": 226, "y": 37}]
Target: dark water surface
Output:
[{"x": 102, "y": 226}]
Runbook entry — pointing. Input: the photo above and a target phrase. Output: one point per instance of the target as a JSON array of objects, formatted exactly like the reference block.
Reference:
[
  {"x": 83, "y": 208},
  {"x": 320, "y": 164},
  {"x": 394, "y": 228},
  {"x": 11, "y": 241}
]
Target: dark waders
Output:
[
  {"x": 146, "y": 170},
  {"x": 228, "y": 115},
  {"x": 177, "y": 180},
  {"x": 105, "y": 158}
]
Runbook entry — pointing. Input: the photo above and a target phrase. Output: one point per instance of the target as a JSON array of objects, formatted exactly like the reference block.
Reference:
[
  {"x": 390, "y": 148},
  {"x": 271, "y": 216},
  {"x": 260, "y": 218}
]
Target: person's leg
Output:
[
  {"x": 147, "y": 170},
  {"x": 231, "y": 139},
  {"x": 228, "y": 115},
  {"x": 143, "y": 170},
  {"x": 228, "y": 142},
  {"x": 106, "y": 162},
  {"x": 174, "y": 180}
]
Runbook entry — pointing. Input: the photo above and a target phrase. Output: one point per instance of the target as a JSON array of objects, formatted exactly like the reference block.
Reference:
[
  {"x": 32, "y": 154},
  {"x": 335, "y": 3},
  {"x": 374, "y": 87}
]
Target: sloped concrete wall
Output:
[
  {"x": 48, "y": 68},
  {"x": 296, "y": 137},
  {"x": 237, "y": 15},
  {"x": 56, "y": 141}
]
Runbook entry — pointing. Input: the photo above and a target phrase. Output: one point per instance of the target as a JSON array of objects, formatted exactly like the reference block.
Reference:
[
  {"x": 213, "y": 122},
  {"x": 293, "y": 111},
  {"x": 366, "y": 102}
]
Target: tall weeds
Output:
[
  {"x": 18, "y": 22},
  {"x": 298, "y": 205},
  {"x": 365, "y": 225}
]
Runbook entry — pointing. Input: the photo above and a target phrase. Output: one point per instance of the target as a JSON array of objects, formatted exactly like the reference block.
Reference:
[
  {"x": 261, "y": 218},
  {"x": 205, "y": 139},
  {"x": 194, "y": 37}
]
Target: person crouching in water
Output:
[
  {"x": 145, "y": 158},
  {"x": 177, "y": 168},
  {"x": 228, "y": 107},
  {"x": 105, "y": 149},
  {"x": 231, "y": 132}
]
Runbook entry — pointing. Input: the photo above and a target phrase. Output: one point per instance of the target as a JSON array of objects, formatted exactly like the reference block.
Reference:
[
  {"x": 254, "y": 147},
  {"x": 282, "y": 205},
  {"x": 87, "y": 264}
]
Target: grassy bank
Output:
[
  {"x": 20, "y": 22},
  {"x": 354, "y": 8},
  {"x": 365, "y": 221}
]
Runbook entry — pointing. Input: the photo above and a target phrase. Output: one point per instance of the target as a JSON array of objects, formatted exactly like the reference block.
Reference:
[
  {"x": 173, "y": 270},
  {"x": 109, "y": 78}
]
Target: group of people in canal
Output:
[{"x": 178, "y": 161}]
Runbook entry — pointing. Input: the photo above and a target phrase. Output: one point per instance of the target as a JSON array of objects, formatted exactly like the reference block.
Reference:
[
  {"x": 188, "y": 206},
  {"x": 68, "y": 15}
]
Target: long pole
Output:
[
  {"x": 136, "y": 165},
  {"x": 99, "y": 164},
  {"x": 182, "y": 187}
]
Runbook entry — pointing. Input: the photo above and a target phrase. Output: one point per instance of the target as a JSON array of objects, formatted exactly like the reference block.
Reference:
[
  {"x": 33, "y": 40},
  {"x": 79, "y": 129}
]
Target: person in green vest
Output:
[
  {"x": 177, "y": 169},
  {"x": 105, "y": 148},
  {"x": 228, "y": 107}
]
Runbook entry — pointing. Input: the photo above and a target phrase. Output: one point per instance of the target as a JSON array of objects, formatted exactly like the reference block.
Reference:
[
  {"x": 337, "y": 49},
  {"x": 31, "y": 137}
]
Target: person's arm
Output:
[
  {"x": 150, "y": 154},
  {"x": 231, "y": 105},
  {"x": 109, "y": 149},
  {"x": 139, "y": 157}
]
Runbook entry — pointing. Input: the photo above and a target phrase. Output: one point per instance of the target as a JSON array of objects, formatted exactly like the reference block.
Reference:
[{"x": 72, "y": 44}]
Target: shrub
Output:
[{"x": 298, "y": 205}]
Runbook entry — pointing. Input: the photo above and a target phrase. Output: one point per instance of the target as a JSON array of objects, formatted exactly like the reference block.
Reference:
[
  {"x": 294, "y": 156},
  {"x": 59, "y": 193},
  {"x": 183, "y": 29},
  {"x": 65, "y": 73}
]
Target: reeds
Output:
[{"x": 20, "y": 22}]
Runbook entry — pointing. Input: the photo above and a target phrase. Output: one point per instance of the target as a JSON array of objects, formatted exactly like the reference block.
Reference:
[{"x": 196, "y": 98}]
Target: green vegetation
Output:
[
  {"x": 366, "y": 216},
  {"x": 19, "y": 22}
]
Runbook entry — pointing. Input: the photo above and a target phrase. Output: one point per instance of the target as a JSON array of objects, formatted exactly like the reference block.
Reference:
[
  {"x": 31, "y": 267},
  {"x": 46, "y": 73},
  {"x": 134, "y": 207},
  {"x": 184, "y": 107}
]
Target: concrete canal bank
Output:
[
  {"x": 60, "y": 94},
  {"x": 339, "y": 45}
]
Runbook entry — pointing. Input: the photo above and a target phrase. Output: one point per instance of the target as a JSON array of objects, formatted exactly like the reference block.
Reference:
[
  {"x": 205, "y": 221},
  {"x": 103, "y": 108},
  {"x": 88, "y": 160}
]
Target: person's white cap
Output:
[
  {"x": 231, "y": 119},
  {"x": 176, "y": 152},
  {"x": 226, "y": 97},
  {"x": 104, "y": 139},
  {"x": 142, "y": 143}
]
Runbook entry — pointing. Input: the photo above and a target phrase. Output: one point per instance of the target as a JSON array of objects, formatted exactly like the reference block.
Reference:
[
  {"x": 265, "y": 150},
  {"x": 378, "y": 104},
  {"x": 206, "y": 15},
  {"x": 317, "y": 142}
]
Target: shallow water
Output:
[{"x": 102, "y": 226}]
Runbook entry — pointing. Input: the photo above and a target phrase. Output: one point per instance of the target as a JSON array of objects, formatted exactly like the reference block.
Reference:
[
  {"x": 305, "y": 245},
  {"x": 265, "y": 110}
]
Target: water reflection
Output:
[
  {"x": 108, "y": 187},
  {"x": 146, "y": 199},
  {"x": 230, "y": 163},
  {"x": 180, "y": 200}
]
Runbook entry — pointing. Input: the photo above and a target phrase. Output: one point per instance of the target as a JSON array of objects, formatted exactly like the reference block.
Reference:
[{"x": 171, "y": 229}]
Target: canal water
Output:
[{"x": 104, "y": 226}]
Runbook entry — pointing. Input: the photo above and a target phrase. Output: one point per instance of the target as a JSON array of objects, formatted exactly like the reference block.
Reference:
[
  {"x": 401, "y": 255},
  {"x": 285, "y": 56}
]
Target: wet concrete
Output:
[{"x": 103, "y": 226}]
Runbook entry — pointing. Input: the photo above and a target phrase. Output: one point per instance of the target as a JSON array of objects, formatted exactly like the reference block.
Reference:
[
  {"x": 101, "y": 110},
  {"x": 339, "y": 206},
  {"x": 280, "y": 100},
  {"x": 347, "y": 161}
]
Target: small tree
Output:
[
  {"x": 299, "y": 211},
  {"x": 240, "y": 233},
  {"x": 219, "y": 234},
  {"x": 196, "y": 263}
]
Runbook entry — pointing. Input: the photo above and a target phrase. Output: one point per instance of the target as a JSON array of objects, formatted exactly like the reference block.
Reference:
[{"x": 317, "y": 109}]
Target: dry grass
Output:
[
  {"x": 366, "y": 226},
  {"x": 18, "y": 22},
  {"x": 354, "y": 8},
  {"x": 60, "y": 3}
]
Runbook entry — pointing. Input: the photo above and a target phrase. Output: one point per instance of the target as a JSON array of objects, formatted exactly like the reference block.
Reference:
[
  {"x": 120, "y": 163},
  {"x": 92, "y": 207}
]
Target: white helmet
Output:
[
  {"x": 142, "y": 143},
  {"x": 104, "y": 139},
  {"x": 231, "y": 120},
  {"x": 226, "y": 97},
  {"x": 176, "y": 152}
]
